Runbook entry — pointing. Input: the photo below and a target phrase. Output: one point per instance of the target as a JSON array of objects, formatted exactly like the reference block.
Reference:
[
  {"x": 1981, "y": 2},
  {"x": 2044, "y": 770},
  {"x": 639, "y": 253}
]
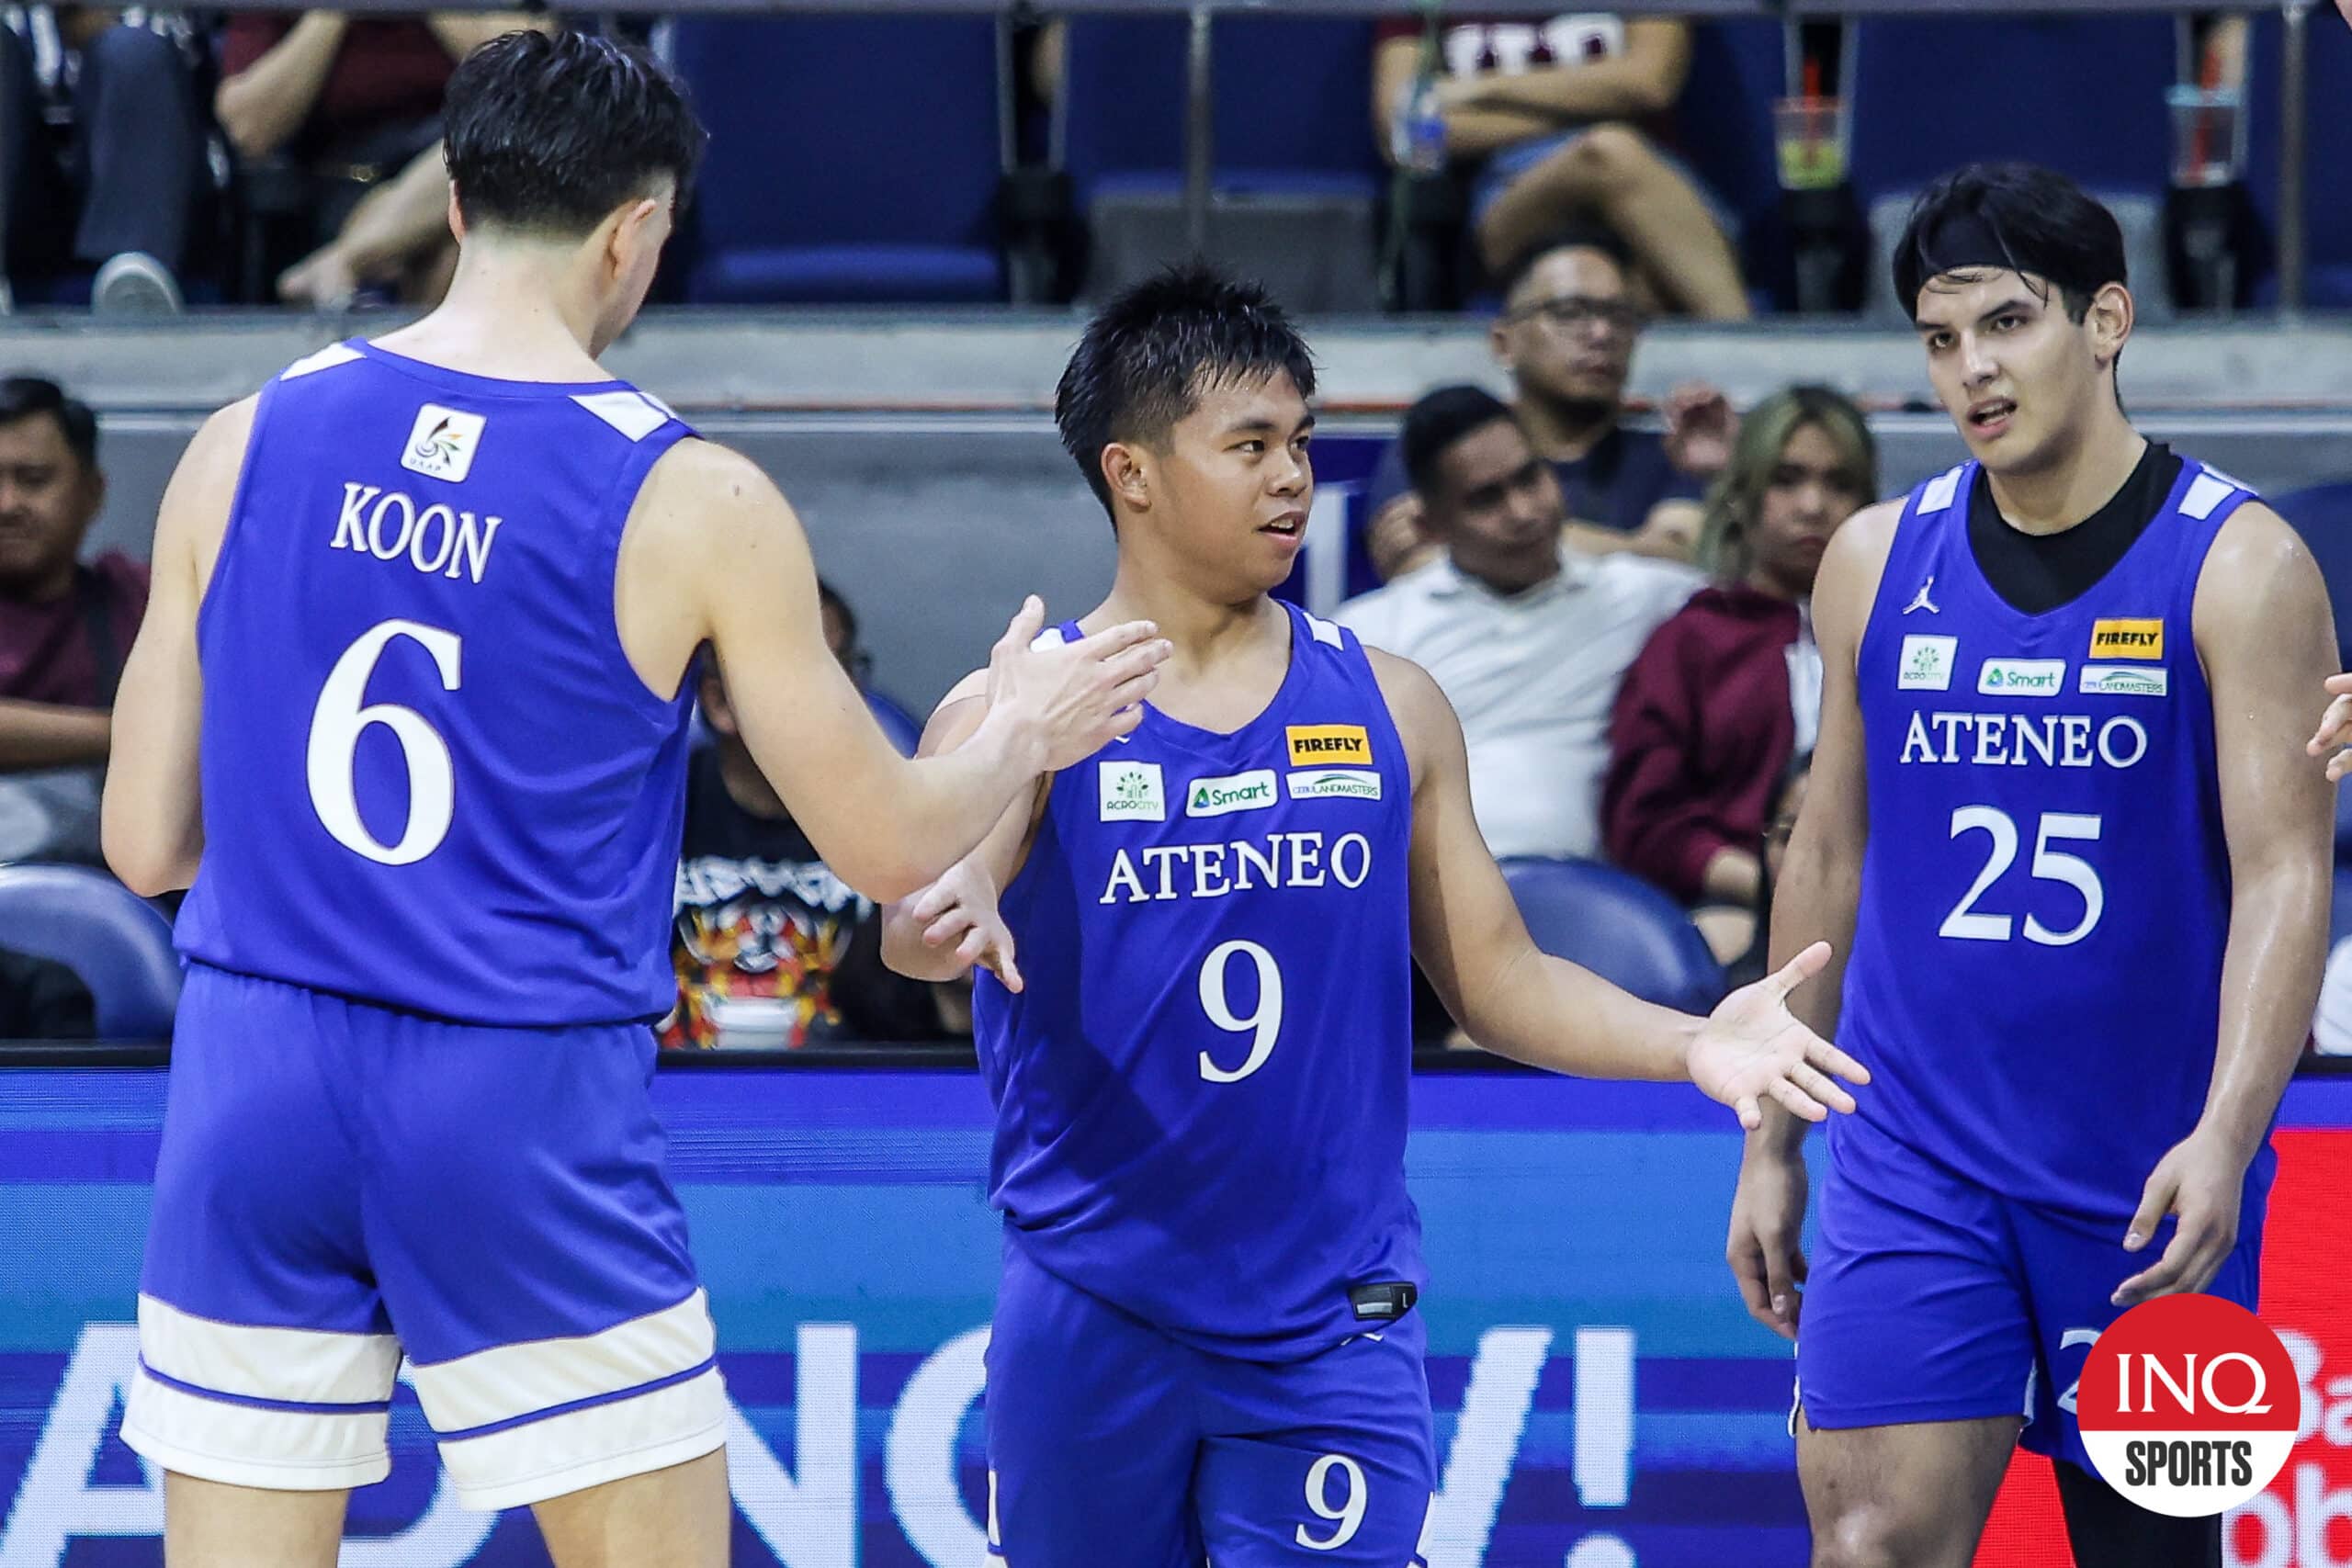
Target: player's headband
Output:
[{"x": 1962, "y": 241}]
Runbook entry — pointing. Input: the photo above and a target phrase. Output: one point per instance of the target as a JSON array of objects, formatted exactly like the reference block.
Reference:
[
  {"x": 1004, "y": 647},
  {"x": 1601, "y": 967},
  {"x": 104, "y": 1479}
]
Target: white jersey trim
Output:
[
  {"x": 1323, "y": 631},
  {"x": 587, "y": 1448},
  {"x": 509, "y": 1381},
  {"x": 325, "y": 359},
  {"x": 632, "y": 413},
  {"x": 1940, "y": 491},
  {"x": 309, "y": 1366},
  {"x": 2206, "y": 491}
]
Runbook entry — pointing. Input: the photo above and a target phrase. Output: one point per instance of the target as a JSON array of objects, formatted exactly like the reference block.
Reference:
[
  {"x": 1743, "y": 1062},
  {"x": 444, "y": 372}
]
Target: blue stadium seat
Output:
[
  {"x": 904, "y": 728},
  {"x": 1293, "y": 105},
  {"x": 2323, "y": 515},
  {"x": 107, "y": 935},
  {"x": 2328, "y": 133},
  {"x": 1619, "y": 926},
  {"x": 852, "y": 158}
]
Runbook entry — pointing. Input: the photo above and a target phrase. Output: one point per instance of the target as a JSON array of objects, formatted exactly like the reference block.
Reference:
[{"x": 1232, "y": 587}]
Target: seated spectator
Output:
[
  {"x": 1566, "y": 335},
  {"x": 1559, "y": 119},
  {"x": 1729, "y": 689},
  {"x": 64, "y": 626},
  {"x": 1788, "y": 805},
  {"x": 1528, "y": 636},
  {"x": 348, "y": 102},
  {"x": 771, "y": 948},
  {"x": 42, "y": 999},
  {"x": 396, "y": 243},
  {"x": 102, "y": 167}
]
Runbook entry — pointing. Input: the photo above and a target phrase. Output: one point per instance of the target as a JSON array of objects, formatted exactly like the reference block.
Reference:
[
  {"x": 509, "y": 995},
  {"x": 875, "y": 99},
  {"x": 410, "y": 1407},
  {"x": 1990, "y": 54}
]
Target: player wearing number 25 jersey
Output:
[
  {"x": 2062, "y": 798},
  {"x": 1207, "y": 1346},
  {"x": 411, "y": 707}
]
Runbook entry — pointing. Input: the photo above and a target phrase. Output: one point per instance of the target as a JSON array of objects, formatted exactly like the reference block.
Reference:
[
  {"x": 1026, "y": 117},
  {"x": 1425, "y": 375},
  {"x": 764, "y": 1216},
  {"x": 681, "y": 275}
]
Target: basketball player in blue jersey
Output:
[
  {"x": 1206, "y": 1346},
  {"x": 410, "y": 707},
  {"x": 2061, "y": 827}
]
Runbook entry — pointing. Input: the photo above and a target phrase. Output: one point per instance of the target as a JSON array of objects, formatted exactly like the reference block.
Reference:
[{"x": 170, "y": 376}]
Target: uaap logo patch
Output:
[{"x": 443, "y": 442}]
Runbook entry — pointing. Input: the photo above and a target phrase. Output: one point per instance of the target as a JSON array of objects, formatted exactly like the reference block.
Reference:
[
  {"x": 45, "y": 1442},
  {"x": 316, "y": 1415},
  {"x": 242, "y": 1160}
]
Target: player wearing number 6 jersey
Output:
[
  {"x": 2061, "y": 824},
  {"x": 409, "y": 706},
  {"x": 1205, "y": 1343}
]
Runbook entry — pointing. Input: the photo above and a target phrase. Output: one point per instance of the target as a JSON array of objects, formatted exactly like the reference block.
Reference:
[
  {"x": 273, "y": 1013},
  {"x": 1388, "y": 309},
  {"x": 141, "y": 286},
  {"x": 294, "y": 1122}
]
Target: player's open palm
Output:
[
  {"x": 961, "y": 908},
  {"x": 1075, "y": 698},
  {"x": 1752, "y": 1049}
]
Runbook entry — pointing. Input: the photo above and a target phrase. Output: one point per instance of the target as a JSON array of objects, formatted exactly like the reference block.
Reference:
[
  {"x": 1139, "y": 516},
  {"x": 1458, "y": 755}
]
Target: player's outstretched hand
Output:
[
  {"x": 1075, "y": 698},
  {"x": 961, "y": 908},
  {"x": 2200, "y": 1180},
  {"x": 2336, "y": 728},
  {"x": 1752, "y": 1048}
]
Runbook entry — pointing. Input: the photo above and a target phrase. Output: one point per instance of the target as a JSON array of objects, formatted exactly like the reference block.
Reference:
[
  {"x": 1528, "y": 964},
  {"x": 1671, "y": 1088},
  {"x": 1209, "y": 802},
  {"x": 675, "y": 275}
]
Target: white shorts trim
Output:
[
  {"x": 571, "y": 1452},
  {"x": 507, "y": 1382},
  {"x": 307, "y": 1365},
  {"x": 244, "y": 1445}
]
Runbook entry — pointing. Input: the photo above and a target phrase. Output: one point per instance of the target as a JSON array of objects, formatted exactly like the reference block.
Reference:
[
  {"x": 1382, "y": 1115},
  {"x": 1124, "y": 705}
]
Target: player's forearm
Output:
[
  {"x": 263, "y": 106},
  {"x": 2270, "y": 976},
  {"x": 941, "y": 808},
  {"x": 1474, "y": 130},
  {"x": 50, "y": 735},
  {"x": 1551, "y": 1014},
  {"x": 1594, "y": 89},
  {"x": 904, "y": 952}
]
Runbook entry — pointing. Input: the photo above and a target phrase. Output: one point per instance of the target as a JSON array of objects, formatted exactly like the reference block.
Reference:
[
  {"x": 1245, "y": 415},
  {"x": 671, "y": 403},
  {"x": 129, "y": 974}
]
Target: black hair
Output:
[
  {"x": 1573, "y": 237},
  {"x": 1150, "y": 354},
  {"x": 550, "y": 133},
  {"x": 2035, "y": 220},
  {"x": 1437, "y": 422},
  {"x": 33, "y": 397}
]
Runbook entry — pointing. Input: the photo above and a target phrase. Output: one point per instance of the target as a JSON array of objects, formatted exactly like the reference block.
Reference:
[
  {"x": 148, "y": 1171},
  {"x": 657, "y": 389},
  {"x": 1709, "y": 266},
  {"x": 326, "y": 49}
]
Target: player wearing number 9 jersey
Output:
[
  {"x": 1207, "y": 1346},
  {"x": 409, "y": 706},
  {"x": 2061, "y": 823}
]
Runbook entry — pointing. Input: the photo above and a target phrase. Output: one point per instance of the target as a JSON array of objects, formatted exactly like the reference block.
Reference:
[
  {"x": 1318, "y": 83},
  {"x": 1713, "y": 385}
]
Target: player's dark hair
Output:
[
  {"x": 38, "y": 397},
  {"x": 1570, "y": 237},
  {"x": 1150, "y": 354},
  {"x": 2021, "y": 216},
  {"x": 550, "y": 133},
  {"x": 1437, "y": 422}
]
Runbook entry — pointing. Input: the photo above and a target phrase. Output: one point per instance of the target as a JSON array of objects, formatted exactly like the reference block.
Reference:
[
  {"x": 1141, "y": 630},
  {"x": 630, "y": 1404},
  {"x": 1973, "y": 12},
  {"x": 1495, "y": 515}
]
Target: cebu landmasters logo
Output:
[{"x": 2189, "y": 1405}]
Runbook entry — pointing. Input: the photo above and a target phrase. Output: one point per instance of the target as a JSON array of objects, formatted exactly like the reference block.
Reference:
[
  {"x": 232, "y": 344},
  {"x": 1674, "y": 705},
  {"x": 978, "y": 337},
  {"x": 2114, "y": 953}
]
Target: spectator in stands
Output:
[
  {"x": 1559, "y": 119},
  {"x": 40, "y": 999},
  {"x": 64, "y": 625},
  {"x": 771, "y": 948},
  {"x": 1528, "y": 636},
  {"x": 347, "y": 103},
  {"x": 1566, "y": 335},
  {"x": 1729, "y": 689},
  {"x": 102, "y": 162},
  {"x": 395, "y": 242}
]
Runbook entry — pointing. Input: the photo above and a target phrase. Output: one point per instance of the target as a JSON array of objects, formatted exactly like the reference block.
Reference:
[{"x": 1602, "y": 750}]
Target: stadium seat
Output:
[
  {"x": 1932, "y": 93},
  {"x": 1297, "y": 174},
  {"x": 2323, "y": 515},
  {"x": 852, "y": 158},
  {"x": 2329, "y": 141},
  {"x": 112, "y": 938},
  {"x": 1619, "y": 926}
]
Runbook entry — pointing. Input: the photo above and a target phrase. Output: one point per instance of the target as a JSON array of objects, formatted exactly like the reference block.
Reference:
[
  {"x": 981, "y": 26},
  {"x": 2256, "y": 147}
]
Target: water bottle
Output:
[{"x": 1418, "y": 137}]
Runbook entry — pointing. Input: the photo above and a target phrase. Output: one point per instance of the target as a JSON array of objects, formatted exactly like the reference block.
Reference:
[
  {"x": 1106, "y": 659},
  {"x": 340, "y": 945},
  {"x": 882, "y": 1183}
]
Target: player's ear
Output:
[
  {"x": 632, "y": 232},
  {"x": 2109, "y": 319},
  {"x": 1123, "y": 468},
  {"x": 1499, "y": 345}
]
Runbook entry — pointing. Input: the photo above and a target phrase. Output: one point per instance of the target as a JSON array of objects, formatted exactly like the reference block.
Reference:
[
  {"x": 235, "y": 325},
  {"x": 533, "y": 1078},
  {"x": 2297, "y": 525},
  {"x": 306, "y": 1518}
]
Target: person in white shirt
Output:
[{"x": 1528, "y": 637}]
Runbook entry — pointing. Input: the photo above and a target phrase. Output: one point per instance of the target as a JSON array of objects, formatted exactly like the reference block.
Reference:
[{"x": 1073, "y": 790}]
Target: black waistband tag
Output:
[{"x": 1382, "y": 1302}]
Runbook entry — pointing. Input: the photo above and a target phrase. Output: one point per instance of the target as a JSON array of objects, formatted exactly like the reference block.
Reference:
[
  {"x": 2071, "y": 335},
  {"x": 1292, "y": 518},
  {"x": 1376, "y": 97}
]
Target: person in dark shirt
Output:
[
  {"x": 64, "y": 625},
  {"x": 1729, "y": 688},
  {"x": 1566, "y": 335},
  {"x": 771, "y": 948},
  {"x": 41, "y": 999}
]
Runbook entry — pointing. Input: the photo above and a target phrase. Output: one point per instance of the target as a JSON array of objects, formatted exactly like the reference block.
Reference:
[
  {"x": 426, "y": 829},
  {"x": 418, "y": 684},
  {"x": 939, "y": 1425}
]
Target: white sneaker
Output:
[{"x": 134, "y": 283}]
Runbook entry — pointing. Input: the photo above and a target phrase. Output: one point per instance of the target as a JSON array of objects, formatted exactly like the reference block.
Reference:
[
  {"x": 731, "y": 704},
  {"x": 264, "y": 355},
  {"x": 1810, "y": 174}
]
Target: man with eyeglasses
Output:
[{"x": 1567, "y": 336}]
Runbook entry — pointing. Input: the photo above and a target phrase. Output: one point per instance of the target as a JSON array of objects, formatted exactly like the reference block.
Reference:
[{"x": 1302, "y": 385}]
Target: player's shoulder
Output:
[
  {"x": 1416, "y": 702},
  {"x": 217, "y": 450},
  {"x": 2257, "y": 567},
  {"x": 707, "y": 491}
]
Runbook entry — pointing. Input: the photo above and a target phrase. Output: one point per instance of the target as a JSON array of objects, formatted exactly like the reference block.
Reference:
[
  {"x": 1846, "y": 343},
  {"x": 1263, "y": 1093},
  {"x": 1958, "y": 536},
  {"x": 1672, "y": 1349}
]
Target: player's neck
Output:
[
  {"x": 512, "y": 312},
  {"x": 2052, "y": 500},
  {"x": 1202, "y": 628}
]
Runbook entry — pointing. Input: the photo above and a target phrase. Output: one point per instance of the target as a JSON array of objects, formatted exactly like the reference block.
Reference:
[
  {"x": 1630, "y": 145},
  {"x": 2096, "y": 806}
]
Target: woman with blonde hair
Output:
[{"x": 1728, "y": 691}]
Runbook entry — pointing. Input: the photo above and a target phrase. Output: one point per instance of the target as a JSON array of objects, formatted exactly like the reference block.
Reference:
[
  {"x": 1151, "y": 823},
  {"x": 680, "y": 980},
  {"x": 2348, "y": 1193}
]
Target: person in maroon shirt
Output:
[
  {"x": 1728, "y": 691},
  {"x": 64, "y": 626}
]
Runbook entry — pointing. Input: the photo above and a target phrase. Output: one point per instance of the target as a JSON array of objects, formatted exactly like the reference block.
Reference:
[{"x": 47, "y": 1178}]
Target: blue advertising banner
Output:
[{"x": 1603, "y": 1400}]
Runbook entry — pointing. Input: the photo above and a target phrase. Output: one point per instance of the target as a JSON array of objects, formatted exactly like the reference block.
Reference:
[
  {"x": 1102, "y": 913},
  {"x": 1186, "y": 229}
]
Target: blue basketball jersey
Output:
[
  {"x": 1201, "y": 1093},
  {"x": 432, "y": 778},
  {"x": 2036, "y": 973}
]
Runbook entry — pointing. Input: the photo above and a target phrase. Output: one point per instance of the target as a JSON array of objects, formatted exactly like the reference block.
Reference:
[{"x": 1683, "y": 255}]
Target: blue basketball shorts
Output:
[
  {"x": 340, "y": 1186},
  {"x": 1932, "y": 1298},
  {"x": 1109, "y": 1442}
]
